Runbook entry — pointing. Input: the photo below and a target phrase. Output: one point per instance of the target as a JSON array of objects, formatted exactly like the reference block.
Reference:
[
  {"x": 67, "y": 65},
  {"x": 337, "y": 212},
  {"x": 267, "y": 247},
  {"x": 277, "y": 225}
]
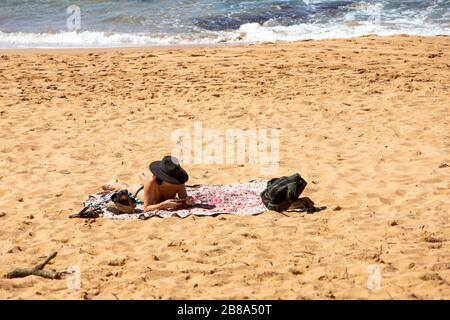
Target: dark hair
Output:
[{"x": 158, "y": 180}]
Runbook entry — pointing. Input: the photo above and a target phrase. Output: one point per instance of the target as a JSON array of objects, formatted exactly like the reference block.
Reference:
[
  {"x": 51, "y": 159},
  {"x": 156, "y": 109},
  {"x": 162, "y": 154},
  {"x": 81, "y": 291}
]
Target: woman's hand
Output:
[
  {"x": 168, "y": 204},
  {"x": 189, "y": 201},
  {"x": 186, "y": 202}
]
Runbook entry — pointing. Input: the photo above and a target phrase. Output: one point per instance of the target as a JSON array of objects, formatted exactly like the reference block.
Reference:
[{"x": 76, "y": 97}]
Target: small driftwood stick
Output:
[
  {"x": 37, "y": 271},
  {"x": 43, "y": 264}
]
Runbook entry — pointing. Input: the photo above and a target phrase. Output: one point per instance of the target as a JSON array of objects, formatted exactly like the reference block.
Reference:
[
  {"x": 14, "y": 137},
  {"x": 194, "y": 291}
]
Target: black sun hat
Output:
[{"x": 168, "y": 169}]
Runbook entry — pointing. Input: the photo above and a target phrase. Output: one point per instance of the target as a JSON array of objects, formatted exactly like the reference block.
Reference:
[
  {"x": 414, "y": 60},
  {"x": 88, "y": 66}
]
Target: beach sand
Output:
[{"x": 365, "y": 121}]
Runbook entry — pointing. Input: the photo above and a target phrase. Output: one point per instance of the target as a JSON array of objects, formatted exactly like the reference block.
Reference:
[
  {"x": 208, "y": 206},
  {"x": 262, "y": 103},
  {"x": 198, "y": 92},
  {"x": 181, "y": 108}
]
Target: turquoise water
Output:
[{"x": 165, "y": 22}]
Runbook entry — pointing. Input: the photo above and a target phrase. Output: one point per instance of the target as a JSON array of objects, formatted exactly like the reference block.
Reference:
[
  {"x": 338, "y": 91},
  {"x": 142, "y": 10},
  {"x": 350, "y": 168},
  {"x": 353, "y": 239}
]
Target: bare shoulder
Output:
[{"x": 149, "y": 184}]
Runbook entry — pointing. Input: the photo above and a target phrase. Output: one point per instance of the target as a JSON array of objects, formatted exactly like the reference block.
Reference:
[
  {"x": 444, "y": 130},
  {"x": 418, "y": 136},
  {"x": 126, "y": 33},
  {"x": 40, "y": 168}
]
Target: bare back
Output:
[{"x": 155, "y": 193}]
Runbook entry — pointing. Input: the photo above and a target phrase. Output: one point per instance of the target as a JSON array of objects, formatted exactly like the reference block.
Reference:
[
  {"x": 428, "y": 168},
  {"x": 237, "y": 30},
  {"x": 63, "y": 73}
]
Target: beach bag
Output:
[
  {"x": 281, "y": 192},
  {"x": 121, "y": 202}
]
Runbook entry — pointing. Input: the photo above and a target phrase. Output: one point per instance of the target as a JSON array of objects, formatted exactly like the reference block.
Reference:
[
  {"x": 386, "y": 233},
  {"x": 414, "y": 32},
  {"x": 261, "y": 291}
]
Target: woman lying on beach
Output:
[{"x": 159, "y": 191}]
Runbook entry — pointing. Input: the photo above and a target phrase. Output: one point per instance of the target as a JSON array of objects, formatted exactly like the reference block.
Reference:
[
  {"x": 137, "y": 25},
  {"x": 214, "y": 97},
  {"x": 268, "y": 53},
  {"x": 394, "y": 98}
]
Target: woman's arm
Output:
[{"x": 182, "y": 194}]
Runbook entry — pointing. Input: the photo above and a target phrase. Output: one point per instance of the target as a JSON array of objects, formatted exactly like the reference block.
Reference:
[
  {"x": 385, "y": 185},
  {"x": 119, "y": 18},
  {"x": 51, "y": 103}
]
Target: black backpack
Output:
[{"x": 282, "y": 192}]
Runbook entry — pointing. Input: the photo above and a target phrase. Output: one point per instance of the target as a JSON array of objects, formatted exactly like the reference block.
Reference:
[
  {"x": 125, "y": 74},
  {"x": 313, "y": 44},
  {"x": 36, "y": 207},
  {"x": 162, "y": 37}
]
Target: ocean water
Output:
[{"x": 101, "y": 23}]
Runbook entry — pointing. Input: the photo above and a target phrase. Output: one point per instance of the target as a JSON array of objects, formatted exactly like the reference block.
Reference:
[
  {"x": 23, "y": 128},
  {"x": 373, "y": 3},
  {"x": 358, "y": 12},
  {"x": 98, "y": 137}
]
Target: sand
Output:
[{"x": 365, "y": 121}]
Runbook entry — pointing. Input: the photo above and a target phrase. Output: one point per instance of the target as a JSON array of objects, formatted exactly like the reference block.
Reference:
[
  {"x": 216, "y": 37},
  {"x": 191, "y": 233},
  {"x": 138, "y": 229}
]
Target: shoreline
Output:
[{"x": 212, "y": 45}]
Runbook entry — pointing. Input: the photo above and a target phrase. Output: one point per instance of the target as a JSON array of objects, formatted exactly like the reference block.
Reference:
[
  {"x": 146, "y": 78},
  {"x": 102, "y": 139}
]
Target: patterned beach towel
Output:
[{"x": 209, "y": 200}]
